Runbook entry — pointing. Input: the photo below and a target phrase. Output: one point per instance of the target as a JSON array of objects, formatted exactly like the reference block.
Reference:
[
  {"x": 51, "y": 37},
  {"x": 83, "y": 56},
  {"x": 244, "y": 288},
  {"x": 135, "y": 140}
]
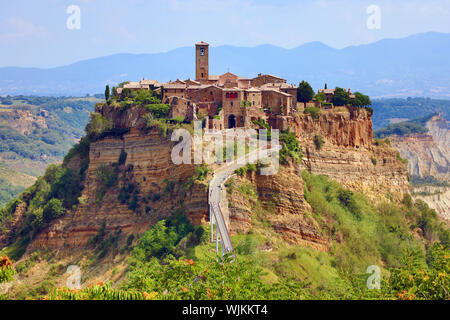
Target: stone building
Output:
[{"x": 227, "y": 100}]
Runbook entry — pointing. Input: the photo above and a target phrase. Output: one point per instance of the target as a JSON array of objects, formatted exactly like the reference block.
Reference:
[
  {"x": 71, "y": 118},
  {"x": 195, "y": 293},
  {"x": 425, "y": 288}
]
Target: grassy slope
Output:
[{"x": 360, "y": 233}]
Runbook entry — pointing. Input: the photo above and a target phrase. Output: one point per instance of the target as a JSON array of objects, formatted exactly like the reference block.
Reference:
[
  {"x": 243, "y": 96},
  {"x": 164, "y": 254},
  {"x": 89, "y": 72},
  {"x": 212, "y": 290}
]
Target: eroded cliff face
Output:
[
  {"x": 349, "y": 155},
  {"x": 279, "y": 204},
  {"x": 429, "y": 155},
  {"x": 148, "y": 176}
]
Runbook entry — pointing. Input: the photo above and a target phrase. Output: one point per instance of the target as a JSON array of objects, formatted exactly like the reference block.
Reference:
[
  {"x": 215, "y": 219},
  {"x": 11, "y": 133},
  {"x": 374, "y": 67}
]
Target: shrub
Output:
[
  {"x": 318, "y": 141},
  {"x": 403, "y": 160},
  {"x": 6, "y": 269},
  {"x": 106, "y": 178},
  {"x": 97, "y": 125},
  {"x": 340, "y": 97},
  {"x": 146, "y": 97},
  {"x": 106, "y": 175},
  {"x": 346, "y": 198},
  {"x": 313, "y": 111},
  {"x": 291, "y": 148},
  {"x": 161, "y": 239},
  {"x": 159, "y": 110},
  {"x": 52, "y": 210},
  {"x": 122, "y": 157}
]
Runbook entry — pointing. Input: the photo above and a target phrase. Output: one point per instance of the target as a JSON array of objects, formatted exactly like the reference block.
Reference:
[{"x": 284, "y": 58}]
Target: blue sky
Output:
[{"x": 34, "y": 33}]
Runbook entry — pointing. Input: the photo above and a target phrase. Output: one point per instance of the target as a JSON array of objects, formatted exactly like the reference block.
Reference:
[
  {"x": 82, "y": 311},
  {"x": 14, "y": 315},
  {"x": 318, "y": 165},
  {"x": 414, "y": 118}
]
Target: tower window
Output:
[
  {"x": 202, "y": 74},
  {"x": 202, "y": 51}
]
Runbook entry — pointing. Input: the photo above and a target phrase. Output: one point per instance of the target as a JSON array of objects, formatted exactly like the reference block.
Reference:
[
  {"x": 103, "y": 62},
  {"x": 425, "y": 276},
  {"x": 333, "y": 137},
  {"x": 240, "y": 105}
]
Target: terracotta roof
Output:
[
  {"x": 132, "y": 85},
  {"x": 232, "y": 89},
  {"x": 253, "y": 89},
  {"x": 193, "y": 81},
  {"x": 202, "y": 43},
  {"x": 215, "y": 77},
  {"x": 276, "y": 91},
  {"x": 148, "y": 82},
  {"x": 327, "y": 91},
  {"x": 278, "y": 85},
  {"x": 174, "y": 86},
  {"x": 268, "y": 75},
  {"x": 201, "y": 86}
]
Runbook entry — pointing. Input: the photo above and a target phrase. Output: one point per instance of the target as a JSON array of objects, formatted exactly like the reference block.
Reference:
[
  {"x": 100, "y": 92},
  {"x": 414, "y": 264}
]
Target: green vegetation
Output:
[
  {"x": 107, "y": 92},
  {"x": 57, "y": 191},
  {"x": 6, "y": 269},
  {"x": 318, "y": 141},
  {"x": 305, "y": 93},
  {"x": 313, "y": 111},
  {"x": 290, "y": 148},
  {"x": 107, "y": 176},
  {"x": 53, "y": 209},
  {"x": 321, "y": 97},
  {"x": 365, "y": 234},
  {"x": 35, "y": 132},
  {"x": 341, "y": 97},
  {"x": 361, "y": 100},
  {"x": 159, "y": 110},
  {"x": 251, "y": 167},
  {"x": 415, "y": 126},
  {"x": 399, "y": 157},
  {"x": 200, "y": 174},
  {"x": 410, "y": 108},
  {"x": 427, "y": 181},
  {"x": 382, "y": 142},
  {"x": 8, "y": 191},
  {"x": 122, "y": 157}
]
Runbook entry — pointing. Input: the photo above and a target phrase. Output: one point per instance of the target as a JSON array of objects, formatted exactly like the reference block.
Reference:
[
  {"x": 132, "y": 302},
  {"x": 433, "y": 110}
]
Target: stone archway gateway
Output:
[{"x": 231, "y": 121}]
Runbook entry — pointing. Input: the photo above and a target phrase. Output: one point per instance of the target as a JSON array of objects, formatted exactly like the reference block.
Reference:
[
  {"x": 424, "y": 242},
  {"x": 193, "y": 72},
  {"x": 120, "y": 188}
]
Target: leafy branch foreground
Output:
[{"x": 186, "y": 279}]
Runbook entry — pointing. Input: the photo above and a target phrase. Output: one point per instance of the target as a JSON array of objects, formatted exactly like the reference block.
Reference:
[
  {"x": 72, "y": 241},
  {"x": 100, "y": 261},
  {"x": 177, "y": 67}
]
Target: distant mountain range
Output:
[{"x": 418, "y": 65}]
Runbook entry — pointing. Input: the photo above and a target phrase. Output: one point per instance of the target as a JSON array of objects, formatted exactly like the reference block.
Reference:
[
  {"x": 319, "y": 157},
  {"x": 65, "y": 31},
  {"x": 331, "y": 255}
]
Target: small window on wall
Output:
[
  {"x": 227, "y": 95},
  {"x": 231, "y": 103}
]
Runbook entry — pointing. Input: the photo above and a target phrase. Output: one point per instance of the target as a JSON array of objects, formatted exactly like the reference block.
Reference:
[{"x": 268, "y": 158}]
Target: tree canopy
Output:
[
  {"x": 341, "y": 97},
  {"x": 361, "y": 100},
  {"x": 305, "y": 92}
]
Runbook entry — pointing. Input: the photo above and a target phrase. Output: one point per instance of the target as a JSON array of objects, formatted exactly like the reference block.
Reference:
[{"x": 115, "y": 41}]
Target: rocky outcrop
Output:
[
  {"x": 427, "y": 154},
  {"x": 158, "y": 186},
  {"x": 437, "y": 198},
  {"x": 283, "y": 207},
  {"x": 348, "y": 153}
]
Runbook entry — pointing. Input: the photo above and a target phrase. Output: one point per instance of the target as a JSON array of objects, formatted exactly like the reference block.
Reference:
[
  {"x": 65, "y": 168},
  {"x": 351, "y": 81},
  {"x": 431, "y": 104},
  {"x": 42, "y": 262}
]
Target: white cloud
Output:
[{"x": 16, "y": 28}]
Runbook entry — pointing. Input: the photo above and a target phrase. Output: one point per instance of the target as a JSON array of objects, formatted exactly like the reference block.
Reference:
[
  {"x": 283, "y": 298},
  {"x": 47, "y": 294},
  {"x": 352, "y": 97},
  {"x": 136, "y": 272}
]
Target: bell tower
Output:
[{"x": 201, "y": 61}]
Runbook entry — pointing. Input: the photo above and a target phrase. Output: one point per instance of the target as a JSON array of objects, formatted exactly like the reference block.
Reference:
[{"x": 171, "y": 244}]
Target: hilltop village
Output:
[{"x": 228, "y": 100}]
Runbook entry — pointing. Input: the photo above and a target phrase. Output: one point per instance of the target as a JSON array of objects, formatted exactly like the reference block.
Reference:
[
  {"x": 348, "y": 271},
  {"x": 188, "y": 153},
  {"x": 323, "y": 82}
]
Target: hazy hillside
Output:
[
  {"x": 388, "y": 111},
  {"x": 35, "y": 132},
  {"x": 414, "y": 66}
]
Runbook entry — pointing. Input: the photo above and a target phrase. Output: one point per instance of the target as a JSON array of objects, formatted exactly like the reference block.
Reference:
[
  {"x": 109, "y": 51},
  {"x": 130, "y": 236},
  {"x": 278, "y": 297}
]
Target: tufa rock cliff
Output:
[
  {"x": 429, "y": 155},
  {"x": 150, "y": 187},
  {"x": 348, "y": 153}
]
